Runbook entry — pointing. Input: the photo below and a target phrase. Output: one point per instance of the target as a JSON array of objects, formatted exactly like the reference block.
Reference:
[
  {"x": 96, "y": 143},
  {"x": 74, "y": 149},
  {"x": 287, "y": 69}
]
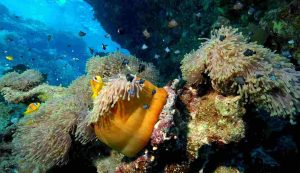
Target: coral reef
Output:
[
  {"x": 62, "y": 116},
  {"x": 237, "y": 67}
]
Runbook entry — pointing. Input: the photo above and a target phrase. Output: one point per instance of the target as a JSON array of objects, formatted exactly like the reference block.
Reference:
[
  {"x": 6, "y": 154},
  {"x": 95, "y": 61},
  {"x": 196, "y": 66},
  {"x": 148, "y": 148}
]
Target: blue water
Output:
[{"x": 44, "y": 35}]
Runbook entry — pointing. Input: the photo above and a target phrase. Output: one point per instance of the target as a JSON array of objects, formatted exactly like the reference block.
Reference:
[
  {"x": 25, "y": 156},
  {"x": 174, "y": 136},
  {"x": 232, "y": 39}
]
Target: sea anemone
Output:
[
  {"x": 23, "y": 82},
  {"x": 125, "y": 112},
  {"x": 235, "y": 66},
  {"x": 117, "y": 63}
]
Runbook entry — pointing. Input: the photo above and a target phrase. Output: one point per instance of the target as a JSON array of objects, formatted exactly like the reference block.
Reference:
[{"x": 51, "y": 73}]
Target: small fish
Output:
[
  {"x": 177, "y": 51},
  {"x": 120, "y": 31},
  {"x": 131, "y": 92},
  {"x": 249, "y": 52},
  {"x": 251, "y": 11},
  {"x": 259, "y": 75},
  {"x": 144, "y": 47},
  {"x": 198, "y": 15},
  {"x": 9, "y": 58},
  {"x": 81, "y": 33},
  {"x": 238, "y": 6},
  {"x": 68, "y": 45},
  {"x": 49, "y": 37},
  {"x": 142, "y": 68},
  {"x": 91, "y": 51},
  {"x": 153, "y": 91},
  {"x": 167, "y": 50},
  {"x": 172, "y": 23},
  {"x": 146, "y": 34},
  {"x": 156, "y": 56},
  {"x": 32, "y": 107},
  {"x": 107, "y": 35},
  {"x": 129, "y": 77},
  {"x": 146, "y": 106},
  {"x": 240, "y": 80},
  {"x": 291, "y": 42},
  {"x": 104, "y": 46},
  {"x": 222, "y": 37},
  {"x": 141, "y": 81},
  {"x": 125, "y": 62},
  {"x": 96, "y": 85},
  {"x": 75, "y": 59}
]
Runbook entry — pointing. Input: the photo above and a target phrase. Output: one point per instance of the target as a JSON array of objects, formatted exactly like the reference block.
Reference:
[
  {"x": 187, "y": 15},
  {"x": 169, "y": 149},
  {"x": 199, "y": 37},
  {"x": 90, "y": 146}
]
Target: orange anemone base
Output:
[{"x": 129, "y": 125}]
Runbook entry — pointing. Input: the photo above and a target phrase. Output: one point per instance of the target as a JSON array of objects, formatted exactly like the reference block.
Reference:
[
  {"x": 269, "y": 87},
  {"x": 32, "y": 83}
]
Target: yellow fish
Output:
[
  {"x": 96, "y": 84},
  {"x": 32, "y": 107},
  {"x": 9, "y": 58}
]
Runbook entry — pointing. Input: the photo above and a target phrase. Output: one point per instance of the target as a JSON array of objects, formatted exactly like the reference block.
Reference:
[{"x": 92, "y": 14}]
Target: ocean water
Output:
[
  {"x": 29, "y": 23},
  {"x": 149, "y": 86}
]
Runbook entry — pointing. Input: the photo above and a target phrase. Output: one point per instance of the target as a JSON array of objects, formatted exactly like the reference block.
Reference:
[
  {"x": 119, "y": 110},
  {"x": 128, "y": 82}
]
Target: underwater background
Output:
[{"x": 149, "y": 86}]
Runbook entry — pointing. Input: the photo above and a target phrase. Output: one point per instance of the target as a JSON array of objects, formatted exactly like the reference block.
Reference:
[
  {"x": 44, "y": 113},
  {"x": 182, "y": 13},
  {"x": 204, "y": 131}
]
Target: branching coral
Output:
[
  {"x": 236, "y": 66},
  {"x": 23, "y": 82},
  {"x": 117, "y": 63}
]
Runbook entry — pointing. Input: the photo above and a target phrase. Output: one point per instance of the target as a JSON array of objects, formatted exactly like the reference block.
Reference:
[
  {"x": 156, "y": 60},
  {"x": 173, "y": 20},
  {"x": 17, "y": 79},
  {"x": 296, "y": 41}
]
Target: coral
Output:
[
  {"x": 229, "y": 106},
  {"x": 161, "y": 131},
  {"x": 117, "y": 63},
  {"x": 41, "y": 92},
  {"x": 237, "y": 67},
  {"x": 23, "y": 82},
  {"x": 278, "y": 26},
  {"x": 125, "y": 112},
  {"x": 207, "y": 125},
  {"x": 283, "y": 20}
]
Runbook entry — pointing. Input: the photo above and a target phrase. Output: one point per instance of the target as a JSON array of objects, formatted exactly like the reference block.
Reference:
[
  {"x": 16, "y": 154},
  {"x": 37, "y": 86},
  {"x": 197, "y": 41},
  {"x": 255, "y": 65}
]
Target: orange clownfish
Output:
[
  {"x": 96, "y": 84},
  {"x": 32, "y": 107}
]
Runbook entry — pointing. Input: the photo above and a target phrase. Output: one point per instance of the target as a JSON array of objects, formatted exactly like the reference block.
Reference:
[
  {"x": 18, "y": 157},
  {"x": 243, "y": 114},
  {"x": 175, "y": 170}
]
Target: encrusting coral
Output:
[
  {"x": 125, "y": 112},
  {"x": 238, "y": 67},
  {"x": 214, "y": 118}
]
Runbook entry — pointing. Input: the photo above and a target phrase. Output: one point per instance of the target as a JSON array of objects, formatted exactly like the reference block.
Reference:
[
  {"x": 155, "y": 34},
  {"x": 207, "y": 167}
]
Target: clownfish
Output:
[
  {"x": 32, "y": 107},
  {"x": 96, "y": 84}
]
